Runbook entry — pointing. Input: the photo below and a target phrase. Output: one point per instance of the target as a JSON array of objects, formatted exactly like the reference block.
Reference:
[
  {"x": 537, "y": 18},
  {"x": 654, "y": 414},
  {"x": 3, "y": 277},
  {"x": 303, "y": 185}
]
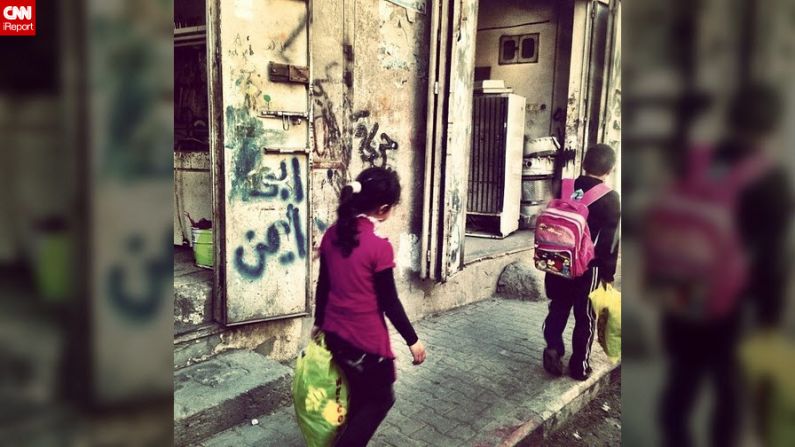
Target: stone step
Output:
[
  {"x": 197, "y": 345},
  {"x": 193, "y": 292},
  {"x": 237, "y": 386},
  {"x": 195, "y": 334}
]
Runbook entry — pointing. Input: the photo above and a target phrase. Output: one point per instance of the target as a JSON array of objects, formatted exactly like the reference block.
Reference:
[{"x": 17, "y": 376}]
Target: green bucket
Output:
[
  {"x": 53, "y": 266},
  {"x": 203, "y": 247}
]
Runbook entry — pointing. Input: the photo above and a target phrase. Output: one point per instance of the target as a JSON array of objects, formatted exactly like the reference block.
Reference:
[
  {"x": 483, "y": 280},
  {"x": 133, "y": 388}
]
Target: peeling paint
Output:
[
  {"x": 389, "y": 57},
  {"x": 280, "y": 337},
  {"x": 420, "y": 6},
  {"x": 408, "y": 256}
]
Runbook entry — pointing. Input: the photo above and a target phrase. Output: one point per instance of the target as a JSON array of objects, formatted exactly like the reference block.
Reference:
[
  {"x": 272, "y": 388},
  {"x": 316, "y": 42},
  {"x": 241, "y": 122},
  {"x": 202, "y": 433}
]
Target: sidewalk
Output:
[{"x": 481, "y": 385}]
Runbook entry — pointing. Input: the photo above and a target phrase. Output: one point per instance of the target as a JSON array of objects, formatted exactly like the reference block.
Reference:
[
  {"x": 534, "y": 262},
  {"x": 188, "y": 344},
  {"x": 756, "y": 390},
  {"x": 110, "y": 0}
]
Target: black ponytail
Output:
[
  {"x": 379, "y": 187},
  {"x": 346, "y": 222}
]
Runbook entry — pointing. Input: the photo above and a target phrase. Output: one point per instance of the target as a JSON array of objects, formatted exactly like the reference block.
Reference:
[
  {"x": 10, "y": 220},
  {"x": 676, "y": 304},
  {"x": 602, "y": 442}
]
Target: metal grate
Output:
[{"x": 487, "y": 159}]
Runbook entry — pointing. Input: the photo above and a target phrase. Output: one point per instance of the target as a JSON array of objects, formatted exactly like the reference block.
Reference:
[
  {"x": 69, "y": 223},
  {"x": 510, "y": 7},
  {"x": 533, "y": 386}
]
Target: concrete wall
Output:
[
  {"x": 534, "y": 81},
  {"x": 385, "y": 104}
]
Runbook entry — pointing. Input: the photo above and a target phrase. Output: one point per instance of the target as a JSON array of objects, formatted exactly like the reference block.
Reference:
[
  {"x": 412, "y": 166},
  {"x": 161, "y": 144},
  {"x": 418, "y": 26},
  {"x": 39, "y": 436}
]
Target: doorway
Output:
[
  {"x": 193, "y": 213},
  {"x": 513, "y": 152}
]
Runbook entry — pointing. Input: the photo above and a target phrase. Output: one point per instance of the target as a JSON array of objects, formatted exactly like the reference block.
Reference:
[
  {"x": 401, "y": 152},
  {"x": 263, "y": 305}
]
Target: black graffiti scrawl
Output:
[{"x": 372, "y": 155}]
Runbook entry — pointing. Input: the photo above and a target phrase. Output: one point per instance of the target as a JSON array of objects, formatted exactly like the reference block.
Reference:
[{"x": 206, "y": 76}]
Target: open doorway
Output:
[
  {"x": 193, "y": 216},
  {"x": 519, "y": 105}
]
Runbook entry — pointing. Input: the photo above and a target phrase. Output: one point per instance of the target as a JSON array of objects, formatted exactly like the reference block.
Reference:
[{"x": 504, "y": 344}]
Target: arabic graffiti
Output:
[
  {"x": 126, "y": 297},
  {"x": 263, "y": 182},
  {"x": 375, "y": 156},
  {"x": 276, "y": 239},
  {"x": 272, "y": 244}
]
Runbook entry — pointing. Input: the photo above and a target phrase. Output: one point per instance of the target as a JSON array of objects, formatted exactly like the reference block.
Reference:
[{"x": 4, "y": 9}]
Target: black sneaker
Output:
[
  {"x": 580, "y": 375},
  {"x": 552, "y": 362}
]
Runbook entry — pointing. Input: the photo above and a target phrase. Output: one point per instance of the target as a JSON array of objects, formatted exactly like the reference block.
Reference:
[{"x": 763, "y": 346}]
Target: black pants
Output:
[
  {"x": 699, "y": 351},
  {"x": 565, "y": 294},
  {"x": 370, "y": 391}
]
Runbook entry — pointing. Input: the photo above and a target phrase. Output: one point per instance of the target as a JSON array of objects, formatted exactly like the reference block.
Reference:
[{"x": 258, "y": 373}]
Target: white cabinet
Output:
[{"x": 495, "y": 165}]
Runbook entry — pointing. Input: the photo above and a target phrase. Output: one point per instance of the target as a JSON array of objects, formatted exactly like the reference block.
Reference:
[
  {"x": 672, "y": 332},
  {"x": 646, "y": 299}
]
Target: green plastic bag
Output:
[
  {"x": 320, "y": 394},
  {"x": 607, "y": 305}
]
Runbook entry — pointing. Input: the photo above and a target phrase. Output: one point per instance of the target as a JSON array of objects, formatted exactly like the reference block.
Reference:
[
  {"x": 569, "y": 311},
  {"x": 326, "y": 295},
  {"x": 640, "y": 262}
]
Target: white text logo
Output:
[{"x": 18, "y": 12}]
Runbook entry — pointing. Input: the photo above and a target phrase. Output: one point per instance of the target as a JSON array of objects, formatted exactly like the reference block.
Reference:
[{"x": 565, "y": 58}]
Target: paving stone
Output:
[
  {"x": 482, "y": 380},
  {"x": 226, "y": 439},
  {"x": 396, "y": 440}
]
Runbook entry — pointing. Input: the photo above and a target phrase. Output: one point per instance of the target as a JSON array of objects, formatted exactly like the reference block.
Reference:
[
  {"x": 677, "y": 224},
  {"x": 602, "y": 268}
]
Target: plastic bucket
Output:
[
  {"x": 53, "y": 266},
  {"x": 203, "y": 247}
]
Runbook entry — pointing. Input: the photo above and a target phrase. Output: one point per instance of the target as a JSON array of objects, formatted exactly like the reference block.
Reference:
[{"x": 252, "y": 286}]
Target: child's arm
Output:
[
  {"x": 391, "y": 306},
  {"x": 606, "y": 249},
  {"x": 321, "y": 293}
]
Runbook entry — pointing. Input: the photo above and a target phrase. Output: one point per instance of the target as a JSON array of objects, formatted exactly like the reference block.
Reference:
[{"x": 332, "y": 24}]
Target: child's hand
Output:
[{"x": 418, "y": 352}]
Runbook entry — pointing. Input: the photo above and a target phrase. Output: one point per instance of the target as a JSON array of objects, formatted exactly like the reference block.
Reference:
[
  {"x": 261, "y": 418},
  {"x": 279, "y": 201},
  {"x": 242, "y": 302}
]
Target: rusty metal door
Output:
[
  {"x": 260, "y": 138},
  {"x": 449, "y": 135}
]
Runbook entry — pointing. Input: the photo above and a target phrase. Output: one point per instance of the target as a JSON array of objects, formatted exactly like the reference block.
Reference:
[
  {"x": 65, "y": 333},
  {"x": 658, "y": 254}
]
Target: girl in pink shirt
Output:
[{"x": 355, "y": 290}]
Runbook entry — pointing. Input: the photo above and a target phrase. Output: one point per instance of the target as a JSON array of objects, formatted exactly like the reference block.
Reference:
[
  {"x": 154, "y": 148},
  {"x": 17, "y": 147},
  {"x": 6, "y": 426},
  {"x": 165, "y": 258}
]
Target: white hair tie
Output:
[{"x": 355, "y": 186}]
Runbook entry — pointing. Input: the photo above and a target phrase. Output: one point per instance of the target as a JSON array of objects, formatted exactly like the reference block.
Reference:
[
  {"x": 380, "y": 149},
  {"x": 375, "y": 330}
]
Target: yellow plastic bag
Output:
[
  {"x": 607, "y": 306},
  {"x": 320, "y": 394},
  {"x": 769, "y": 357}
]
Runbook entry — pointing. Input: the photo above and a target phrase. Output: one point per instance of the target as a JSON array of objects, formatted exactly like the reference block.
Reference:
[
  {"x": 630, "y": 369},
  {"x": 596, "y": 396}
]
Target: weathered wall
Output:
[
  {"x": 377, "y": 120},
  {"x": 612, "y": 107},
  {"x": 373, "y": 116},
  {"x": 380, "y": 121},
  {"x": 192, "y": 191},
  {"x": 534, "y": 81}
]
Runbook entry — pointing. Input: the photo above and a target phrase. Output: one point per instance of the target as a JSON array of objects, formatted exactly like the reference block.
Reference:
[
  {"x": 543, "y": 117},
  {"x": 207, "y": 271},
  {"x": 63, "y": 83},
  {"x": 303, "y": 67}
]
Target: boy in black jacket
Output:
[{"x": 565, "y": 294}]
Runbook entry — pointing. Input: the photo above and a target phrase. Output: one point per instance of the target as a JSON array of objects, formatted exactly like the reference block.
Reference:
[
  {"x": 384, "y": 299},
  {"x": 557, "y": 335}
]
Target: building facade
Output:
[{"x": 301, "y": 96}]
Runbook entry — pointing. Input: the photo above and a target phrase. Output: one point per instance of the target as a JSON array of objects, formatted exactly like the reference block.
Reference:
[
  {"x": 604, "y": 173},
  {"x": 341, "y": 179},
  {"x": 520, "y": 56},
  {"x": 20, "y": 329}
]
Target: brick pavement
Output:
[{"x": 481, "y": 385}]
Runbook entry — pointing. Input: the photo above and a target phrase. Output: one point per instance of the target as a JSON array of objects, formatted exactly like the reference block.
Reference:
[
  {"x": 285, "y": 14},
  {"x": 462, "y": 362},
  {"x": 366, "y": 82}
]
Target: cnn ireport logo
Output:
[{"x": 17, "y": 17}]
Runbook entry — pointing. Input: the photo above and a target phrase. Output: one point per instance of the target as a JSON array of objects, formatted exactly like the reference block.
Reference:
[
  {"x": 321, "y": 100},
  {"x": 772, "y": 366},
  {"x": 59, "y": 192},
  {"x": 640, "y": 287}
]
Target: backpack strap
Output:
[
  {"x": 595, "y": 193},
  {"x": 567, "y": 188}
]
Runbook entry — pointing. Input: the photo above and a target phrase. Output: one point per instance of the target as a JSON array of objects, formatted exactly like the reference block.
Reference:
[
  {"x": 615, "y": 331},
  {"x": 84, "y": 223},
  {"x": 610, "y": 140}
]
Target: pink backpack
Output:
[
  {"x": 563, "y": 244},
  {"x": 691, "y": 241}
]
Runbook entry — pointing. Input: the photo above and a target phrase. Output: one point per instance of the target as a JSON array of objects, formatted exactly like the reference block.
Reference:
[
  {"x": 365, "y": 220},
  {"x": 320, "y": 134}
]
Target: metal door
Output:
[
  {"x": 449, "y": 135},
  {"x": 260, "y": 112}
]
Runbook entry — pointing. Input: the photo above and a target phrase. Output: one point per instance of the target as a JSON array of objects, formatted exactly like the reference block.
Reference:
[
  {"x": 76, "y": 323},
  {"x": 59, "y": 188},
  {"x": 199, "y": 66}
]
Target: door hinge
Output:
[
  {"x": 428, "y": 256},
  {"x": 436, "y": 88}
]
